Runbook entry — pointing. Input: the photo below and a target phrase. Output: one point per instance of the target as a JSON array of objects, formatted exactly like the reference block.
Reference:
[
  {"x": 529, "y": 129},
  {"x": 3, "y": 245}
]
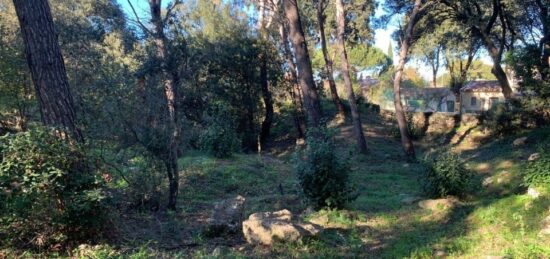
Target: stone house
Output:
[{"x": 479, "y": 96}]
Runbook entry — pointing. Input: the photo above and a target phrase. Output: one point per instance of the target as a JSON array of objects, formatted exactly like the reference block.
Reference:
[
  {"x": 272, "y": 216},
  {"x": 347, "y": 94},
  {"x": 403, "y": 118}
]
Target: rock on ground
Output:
[
  {"x": 533, "y": 193},
  {"x": 534, "y": 157},
  {"x": 266, "y": 227},
  {"x": 519, "y": 141},
  {"x": 226, "y": 217},
  {"x": 438, "y": 204}
]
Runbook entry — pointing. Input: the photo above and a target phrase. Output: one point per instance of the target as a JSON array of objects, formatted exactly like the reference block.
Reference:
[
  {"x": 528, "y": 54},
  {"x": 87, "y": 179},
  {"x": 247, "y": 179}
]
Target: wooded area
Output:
[{"x": 267, "y": 128}]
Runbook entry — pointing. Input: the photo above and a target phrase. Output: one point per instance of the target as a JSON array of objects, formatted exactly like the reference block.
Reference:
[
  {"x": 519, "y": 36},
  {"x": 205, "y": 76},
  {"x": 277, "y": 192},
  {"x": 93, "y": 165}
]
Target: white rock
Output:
[
  {"x": 519, "y": 141},
  {"x": 533, "y": 193},
  {"x": 266, "y": 227},
  {"x": 534, "y": 157}
]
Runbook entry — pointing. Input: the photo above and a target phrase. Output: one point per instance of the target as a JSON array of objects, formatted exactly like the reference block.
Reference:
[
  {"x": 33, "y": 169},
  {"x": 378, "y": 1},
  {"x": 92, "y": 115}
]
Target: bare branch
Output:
[{"x": 143, "y": 27}]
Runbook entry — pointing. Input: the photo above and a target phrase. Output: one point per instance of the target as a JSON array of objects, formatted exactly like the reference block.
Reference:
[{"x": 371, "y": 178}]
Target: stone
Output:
[
  {"x": 225, "y": 217},
  {"x": 487, "y": 181},
  {"x": 300, "y": 142},
  {"x": 519, "y": 141},
  {"x": 263, "y": 228},
  {"x": 438, "y": 204},
  {"x": 533, "y": 193},
  {"x": 534, "y": 157}
]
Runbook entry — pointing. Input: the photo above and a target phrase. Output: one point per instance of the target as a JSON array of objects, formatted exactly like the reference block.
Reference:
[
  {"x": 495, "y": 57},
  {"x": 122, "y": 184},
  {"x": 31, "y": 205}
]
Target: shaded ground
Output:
[{"x": 498, "y": 219}]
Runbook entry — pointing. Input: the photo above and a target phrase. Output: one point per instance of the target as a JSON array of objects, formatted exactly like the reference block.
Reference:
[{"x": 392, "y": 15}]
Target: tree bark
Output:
[
  {"x": 268, "y": 102},
  {"x": 47, "y": 67},
  {"x": 298, "y": 112},
  {"x": 170, "y": 91},
  {"x": 328, "y": 62},
  {"x": 357, "y": 125},
  {"x": 406, "y": 140},
  {"x": 303, "y": 63}
]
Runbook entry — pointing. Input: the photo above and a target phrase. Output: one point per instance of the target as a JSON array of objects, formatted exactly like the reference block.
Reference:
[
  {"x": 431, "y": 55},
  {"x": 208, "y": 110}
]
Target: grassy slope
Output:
[
  {"x": 494, "y": 220},
  {"x": 497, "y": 220}
]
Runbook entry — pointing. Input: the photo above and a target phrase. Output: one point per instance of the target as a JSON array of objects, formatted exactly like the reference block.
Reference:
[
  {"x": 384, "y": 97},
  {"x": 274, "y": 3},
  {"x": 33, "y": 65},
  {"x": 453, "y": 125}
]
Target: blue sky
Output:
[{"x": 382, "y": 36}]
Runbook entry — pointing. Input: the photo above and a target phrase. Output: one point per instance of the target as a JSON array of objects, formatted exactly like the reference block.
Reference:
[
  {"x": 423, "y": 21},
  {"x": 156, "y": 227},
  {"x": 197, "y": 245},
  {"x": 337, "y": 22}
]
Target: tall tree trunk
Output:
[
  {"x": 496, "y": 55},
  {"x": 406, "y": 141},
  {"x": 298, "y": 112},
  {"x": 47, "y": 67},
  {"x": 357, "y": 125},
  {"x": 328, "y": 62},
  {"x": 303, "y": 63},
  {"x": 268, "y": 102},
  {"x": 170, "y": 79}
]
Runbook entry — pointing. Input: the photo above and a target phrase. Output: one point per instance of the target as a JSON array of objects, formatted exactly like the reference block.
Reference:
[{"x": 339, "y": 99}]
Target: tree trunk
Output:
[
  {"x": 496, "y": 56},
  {"x": 357, "y": 125},
  {"x": 170, "y": 78},
  {"x": 47, "y": 67},
  {"x": 303, "y": 63},
  {"x": 298, "y": 112},
  {"x": 268, "y": 102},
  {"x": 328, "y": 62},
  {"x": 406, "y": 141}
]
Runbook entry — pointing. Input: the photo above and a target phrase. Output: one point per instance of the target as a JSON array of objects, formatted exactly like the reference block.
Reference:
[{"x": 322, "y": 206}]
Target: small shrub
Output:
[
  {"x": 49, "y": 195},
  {"x": 220, "y": 137},
  {"x": 446, "y": 175},
  {"x": 537, "y": 173},
  {"x": 501, "y": 119},
  {"x": 323, "y": 176}
]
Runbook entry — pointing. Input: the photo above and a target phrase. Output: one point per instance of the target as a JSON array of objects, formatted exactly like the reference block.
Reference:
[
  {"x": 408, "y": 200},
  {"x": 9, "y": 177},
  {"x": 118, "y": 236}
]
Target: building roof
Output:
[{"x": 482, "y": 86}]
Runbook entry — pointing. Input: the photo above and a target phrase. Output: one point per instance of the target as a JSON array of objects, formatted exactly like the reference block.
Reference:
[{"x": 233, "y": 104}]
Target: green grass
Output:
[{"x": 495, "y": 220}]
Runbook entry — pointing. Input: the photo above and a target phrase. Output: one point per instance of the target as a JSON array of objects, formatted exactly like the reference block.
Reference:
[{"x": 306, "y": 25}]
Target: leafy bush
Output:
[
  {"x": 446, "y": 175},
  {"x": 538, "y": 171},
  {"x": 323, "y": 176},
  {"x": 502, "y": 119},
  {"x": 220, "y": 138},
  {"x": 48, "y": 193}
]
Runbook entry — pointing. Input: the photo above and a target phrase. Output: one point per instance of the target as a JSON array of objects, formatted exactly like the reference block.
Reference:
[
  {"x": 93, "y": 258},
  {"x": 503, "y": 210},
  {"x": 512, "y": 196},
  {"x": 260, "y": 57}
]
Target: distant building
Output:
[
  {"x": 432, "y": 99},
  {"x": 481, "y": 95}
]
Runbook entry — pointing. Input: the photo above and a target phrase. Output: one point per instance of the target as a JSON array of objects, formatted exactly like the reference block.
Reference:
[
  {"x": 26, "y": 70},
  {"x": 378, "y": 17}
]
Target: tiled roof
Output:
[{"x": 482, "y": 86}]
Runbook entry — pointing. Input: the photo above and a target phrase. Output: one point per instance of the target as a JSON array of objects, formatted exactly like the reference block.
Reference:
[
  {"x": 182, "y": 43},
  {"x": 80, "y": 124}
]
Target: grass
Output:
[{"x": 499, "y": 219}]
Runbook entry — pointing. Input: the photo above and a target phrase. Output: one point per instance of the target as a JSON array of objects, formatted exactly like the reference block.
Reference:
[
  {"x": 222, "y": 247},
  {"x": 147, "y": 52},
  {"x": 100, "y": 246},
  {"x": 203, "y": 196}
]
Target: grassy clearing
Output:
[{"x": 498, "y": 219}]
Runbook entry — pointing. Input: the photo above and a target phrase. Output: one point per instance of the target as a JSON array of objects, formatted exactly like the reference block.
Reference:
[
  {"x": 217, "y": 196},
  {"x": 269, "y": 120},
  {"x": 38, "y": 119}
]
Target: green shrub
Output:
[
  {"x": 537, "y": 173},
  {"x": 446, "y": 175},
  {"x": 48, "y": 193},
  {"x": 323, "y": 176},
  {"x": 502, "y": 119},
  {"x": 220, "y": 138}
]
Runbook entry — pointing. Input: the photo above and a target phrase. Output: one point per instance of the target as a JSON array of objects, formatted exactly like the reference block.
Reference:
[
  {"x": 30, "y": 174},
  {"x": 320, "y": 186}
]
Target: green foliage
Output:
[
  {"x": 220, "y": 138},
  {"x": 537, "y": 172},
  {"x": 323, "y": 176},
  {"x": 501, "y": 119},
  {"x": 48, "y": 193},
  {"x": 526, "y": 63},
  {"x": 446, "y": 175}
]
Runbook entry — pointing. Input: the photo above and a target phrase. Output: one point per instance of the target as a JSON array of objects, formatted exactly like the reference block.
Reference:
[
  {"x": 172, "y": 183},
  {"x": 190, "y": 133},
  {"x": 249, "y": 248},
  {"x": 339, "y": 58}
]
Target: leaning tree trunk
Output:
[
  {"x": 406, "y": 140},
  {"x": 298, "y": 112},
  {"x": 303, "y": 63},
  {"x": 357, "y": 125},
  {"x": 170, "y": 78},
  {"x": 328, "y": 62},
  {"x": 496, "y": 56},
  {"x": 47, "y": 67}
]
